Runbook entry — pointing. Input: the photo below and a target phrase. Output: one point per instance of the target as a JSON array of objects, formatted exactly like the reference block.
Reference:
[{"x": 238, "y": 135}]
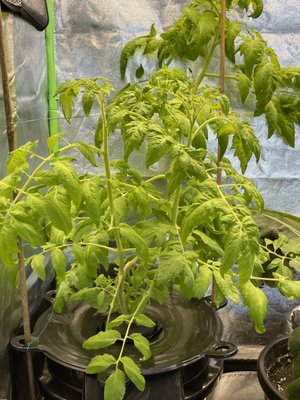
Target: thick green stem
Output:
[{"x": 116, "y": 233}]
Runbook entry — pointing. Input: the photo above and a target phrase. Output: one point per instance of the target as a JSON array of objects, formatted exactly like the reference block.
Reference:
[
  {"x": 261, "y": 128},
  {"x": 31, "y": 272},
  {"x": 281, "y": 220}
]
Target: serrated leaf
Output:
[
  {"x": 133, "y": 372},
  {"x": 171, "y": 268},
  {"x": 27, "y": 232},
  {"x": 58, "y": 261},
  {"x": 100, "y": 363},
  {"x": 232, "y": 30},
  {"x": 245, "y": 144},
  {"x": 37, "y": 265},
  {"x": 252, "y": 50},
  {"x": 244, "y": 84},
  {"x": 232, "y": 246},
  {"x": 58, "y": 209},
  {"x": 8, "y": 184},
  {"x": 227, "y": 287},
  {"x": 128, "y": 233},
  {"x": 69, "y": 178},
  {"x": 158, "y": 147},
  {"x": 203, "y": 281},
  {"x": 265, "y": 83},
  {"x": 17, "y": 159},
  {"x": 87, "y": 151},
  {"x": 102, "y": 339},
  {"x": 115, "y": 388},
  {"x": 257, "y": 302},
  {"x": 201, "y": 215},
  {"x": 8, "y": 245},
  {"x": 143, "y": 320},
  {"x": 142, "y": 344}
]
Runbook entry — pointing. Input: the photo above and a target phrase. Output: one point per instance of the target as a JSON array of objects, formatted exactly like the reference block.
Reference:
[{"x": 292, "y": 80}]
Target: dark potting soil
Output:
[{"x": 280, "y": 373}]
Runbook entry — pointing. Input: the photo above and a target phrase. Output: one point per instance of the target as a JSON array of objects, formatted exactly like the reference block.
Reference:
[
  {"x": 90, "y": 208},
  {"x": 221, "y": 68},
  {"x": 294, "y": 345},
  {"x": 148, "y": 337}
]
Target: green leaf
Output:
[
  {"x": 143, "y": 320},
  {"x": 258, "y": 7},
  {"x": 293, "y": 390},
  {"x": 201, "y": 214},
  {"x": 290, "y": 289},
  {"x": 27, "y": 232},
  {"x": 101, "y": 340},
  {"x": 117, "y": 321},
  {"x": 115, "y": 388},
  {"x": 67, "y": 92},
  {"x": 244, "y": 84},
  {"x": 8, "y": 244},
  {"x": 252, "y": 50},
  {"x": 257, "y": 302},
  {"x": 232, "y": 245},
  {"x": 203, "y": 281},
  {"x": 226, "y": 286},
  {"x": 17, "y": 159},
  {"x": 130, "y": 48},
  {"x": 142, "y": 344},
  {"x": 295, "y": 263},
  {"x": 69, "y": 178},
  {"x": 91, "y": 193},
  {"x": 139, "y": 72},
  {"x": 128, "y": 233},
  {"x": 271, "y": 118},
  {"x": 58, "y": 209},
  {"x": 100, "y": 363},
  {"x": 37, "y": 265},
  {"x": 58, "y": 261},
  {"x": 158, "y": 147},
  {"x": 265, "y": 83},
  {"x": 87, "y": 151},
  {"x": 88, "y": 98},
  {"x": 53, "y": 141},
  {"x": 245, "y": 143},
  {"x": 8, "y": 184},
  {"x": 133, "y": 372},
  {"x": 232, "y": 30},
  {"x": 294, "y": 342}
]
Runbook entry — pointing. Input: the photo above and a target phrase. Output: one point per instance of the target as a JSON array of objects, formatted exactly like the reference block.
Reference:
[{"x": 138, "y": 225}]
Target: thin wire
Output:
[{"x": 37, "y": 339}]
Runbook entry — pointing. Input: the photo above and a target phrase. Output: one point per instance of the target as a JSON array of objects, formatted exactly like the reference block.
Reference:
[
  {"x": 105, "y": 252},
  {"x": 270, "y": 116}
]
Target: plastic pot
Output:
[
  {"x": 274, "y": 369},
  {"x": 184, "y": 348}
]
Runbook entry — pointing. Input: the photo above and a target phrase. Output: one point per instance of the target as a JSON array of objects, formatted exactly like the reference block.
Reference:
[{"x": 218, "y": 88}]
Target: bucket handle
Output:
[{"x": 221, "y": 349}]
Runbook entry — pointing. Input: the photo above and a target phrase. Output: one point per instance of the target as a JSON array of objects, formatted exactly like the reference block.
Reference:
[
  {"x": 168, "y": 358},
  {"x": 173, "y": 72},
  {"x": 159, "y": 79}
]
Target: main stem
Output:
[
  {"x": 113, "y": 222},
  {"x": 11, "y": 138},
  {"x": 222, "y": 90}
]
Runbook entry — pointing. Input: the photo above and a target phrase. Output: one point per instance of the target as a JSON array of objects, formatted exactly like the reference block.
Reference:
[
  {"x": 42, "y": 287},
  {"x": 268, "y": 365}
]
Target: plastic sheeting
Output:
[
  {"x": 89, "y": 39},
  {"x": 26, "y": 58}
]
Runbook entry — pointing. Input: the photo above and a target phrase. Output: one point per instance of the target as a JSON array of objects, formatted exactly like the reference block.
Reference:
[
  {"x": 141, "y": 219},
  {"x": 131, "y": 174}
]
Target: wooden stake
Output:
[{"x": 11, "y": 137}]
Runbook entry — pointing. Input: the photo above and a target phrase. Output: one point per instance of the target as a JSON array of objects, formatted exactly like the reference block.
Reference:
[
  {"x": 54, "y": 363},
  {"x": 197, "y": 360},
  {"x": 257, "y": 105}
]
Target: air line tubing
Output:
[{"x": 51, "y": 71}]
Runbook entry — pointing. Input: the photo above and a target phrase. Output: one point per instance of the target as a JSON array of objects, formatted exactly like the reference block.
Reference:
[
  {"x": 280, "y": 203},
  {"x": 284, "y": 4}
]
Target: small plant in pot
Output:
[
  {"x": 278, "y": 367},
  {"x": 176, "y": 231}
]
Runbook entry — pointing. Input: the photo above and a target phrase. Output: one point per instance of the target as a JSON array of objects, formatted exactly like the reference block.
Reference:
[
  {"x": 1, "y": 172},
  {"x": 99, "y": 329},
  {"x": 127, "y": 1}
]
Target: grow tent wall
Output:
[{"x": 89, "y": 36}]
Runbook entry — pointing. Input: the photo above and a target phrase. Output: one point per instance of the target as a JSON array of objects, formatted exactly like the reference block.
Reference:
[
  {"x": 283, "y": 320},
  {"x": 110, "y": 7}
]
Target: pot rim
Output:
[{"x": 269, "y": 389}]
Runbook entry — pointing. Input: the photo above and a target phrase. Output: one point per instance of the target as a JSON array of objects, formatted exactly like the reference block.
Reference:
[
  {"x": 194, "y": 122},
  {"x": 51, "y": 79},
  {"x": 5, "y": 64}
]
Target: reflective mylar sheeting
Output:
[{"x": 89, "y": 39}]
